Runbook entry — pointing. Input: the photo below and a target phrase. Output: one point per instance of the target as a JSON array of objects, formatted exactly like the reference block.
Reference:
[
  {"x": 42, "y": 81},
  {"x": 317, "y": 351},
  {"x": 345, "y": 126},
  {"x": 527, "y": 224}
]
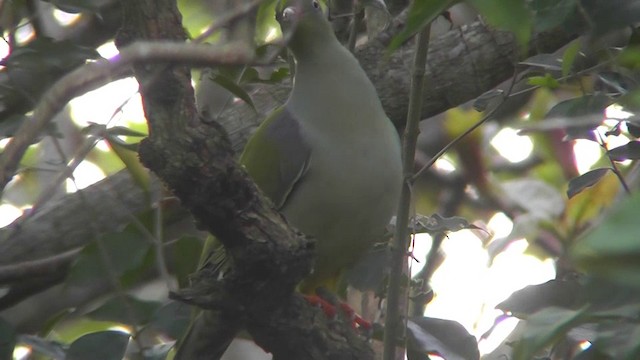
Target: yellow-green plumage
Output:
[{"x": 330, "y": 157}]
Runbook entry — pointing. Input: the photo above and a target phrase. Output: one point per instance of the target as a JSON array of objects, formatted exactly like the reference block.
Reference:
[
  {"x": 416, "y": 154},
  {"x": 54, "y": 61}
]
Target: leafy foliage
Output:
[{"x": 570, "y": 214}]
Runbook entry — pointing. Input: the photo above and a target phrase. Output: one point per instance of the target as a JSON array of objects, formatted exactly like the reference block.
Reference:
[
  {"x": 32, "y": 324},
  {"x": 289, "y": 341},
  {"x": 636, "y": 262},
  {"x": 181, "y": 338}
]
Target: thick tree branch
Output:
[
  {"x": 194, "y": 158},
  {"x": 94, "y": 75},
  {"x": 52, "y": 230}
]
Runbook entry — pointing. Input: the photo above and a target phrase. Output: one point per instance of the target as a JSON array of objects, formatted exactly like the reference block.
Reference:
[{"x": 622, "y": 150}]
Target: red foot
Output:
[{"x": 330, "y": 310}]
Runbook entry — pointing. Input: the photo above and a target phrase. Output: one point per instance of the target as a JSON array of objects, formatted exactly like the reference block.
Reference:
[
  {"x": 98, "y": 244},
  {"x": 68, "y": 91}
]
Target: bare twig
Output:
[
  {"x": 394, "y": 319},
  {"x": 27, "y": 269},
  {"x": 94, "y": 75},
  {"x": 226, "y": 19}
]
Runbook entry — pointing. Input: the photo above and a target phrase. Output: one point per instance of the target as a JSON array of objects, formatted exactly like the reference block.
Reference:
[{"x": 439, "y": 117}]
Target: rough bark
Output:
[
  {"x": 195, "y": 160},
  {"x": 52, "y": 230},
  {"x": 465, "y": 61}
]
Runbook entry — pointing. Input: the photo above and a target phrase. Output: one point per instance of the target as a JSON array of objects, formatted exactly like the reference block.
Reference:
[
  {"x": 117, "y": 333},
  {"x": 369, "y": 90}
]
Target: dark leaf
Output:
[
  {"x": 510, "y": 15},
  {"x": 172, "y": 319},
  {"x": 577, "y": 116},
  {"x": 629, "y": 151},
  {"x": 33, "y": 68},
  {"x": 614, "y": 83},
  {"x": 634, "y": 130},
  {"x": 9, "y": 125},
  {"x": 54, "y": 55},
  {"x": 76, "y": 6},
  {"x": 483, "y": 101},
  {"x": 438, "y": 224},
  {"x": 118, "y": 252},
  {"x": 7, "y": 340},
  {"x": 610, "y": 15},
  {"x": 544, "y": 61},
  {"x": 49, "y": 348},
  {"x": 103, "y": 345},
  {"x": 584, "y": 105},
  {"x": 189, "y": 248},
  {"x": 126, "y": 310},
  {"x": 545, "y": 328},
  {"x": 533, "y": 298},
  {"x": 124, "y": 131},
  {"x": 614, "y": 131},
  {"x": 421, "y": 13},
  {"x": 233, "y": 88},
  {"x": 618, "y": 340},
  {"x": 446, "y": 338},
  {"x": 552, "y": 13},
  {"x": 590, "y": 178}
]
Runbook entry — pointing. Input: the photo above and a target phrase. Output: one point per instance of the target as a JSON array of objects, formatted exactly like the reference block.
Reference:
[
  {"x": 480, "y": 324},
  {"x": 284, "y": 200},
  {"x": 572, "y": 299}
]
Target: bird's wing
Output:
[{"x": 277, "y": 156}]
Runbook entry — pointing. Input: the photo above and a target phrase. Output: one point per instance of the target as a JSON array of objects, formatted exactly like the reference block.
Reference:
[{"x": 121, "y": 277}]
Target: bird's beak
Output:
[{"x": 290, "y": 13}]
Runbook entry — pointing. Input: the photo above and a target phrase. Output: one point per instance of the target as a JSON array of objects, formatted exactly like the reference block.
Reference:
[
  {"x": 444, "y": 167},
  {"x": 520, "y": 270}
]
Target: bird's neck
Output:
[{"x": 331, "y": 75}]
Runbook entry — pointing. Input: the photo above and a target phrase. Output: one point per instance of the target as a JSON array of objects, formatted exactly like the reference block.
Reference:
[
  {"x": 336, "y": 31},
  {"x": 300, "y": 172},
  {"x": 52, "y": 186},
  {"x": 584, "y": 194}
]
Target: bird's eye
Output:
[{"x": 316, "y": 4}]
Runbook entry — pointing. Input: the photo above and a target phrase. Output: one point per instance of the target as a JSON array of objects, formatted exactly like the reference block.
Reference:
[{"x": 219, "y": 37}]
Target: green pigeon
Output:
[{"x": 329, "y": 158}]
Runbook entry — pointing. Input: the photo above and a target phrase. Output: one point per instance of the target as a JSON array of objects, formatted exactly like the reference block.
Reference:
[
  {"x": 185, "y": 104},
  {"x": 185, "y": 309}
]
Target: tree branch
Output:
[
  {"x": 195, "y": 159},
  {"x": 94, "y": 75}
]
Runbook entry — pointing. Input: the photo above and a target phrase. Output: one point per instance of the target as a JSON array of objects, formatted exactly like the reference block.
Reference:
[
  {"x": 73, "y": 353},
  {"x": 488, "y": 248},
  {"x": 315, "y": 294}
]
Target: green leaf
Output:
[
  {"x": 569, "y": 57},
  {"x": 189, "y": 248},
  {"x": 629, "y": 57},
  {"x": 629, "y": 151},
  {"x": 612, "y": 249},
  {"x": 546, "y": 81},
  {"x": 511, "y": 15},
  {"x": 588, "y": 179},
  {"x": 116, "y": 254},
  {"x": 128, "y": 155},
  {"x": 544, "y": 328},
  {"x": 266, "y": 21},
  {"x": 126, "y": 310},
  {"x": 234, "y": 89},
  {"x": 104, "y": 345},
  {"x": 420, "y": 14},
  {"x": 124, "y": 131}
]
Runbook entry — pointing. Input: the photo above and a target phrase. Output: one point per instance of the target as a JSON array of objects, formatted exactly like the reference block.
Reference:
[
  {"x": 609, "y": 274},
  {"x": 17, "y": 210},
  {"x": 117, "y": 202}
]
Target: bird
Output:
[{"x": 329, "y": 159}]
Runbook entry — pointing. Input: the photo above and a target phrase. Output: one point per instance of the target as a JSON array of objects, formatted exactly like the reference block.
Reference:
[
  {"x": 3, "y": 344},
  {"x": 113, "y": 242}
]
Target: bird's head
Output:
[{"x": 304, "y": 21}]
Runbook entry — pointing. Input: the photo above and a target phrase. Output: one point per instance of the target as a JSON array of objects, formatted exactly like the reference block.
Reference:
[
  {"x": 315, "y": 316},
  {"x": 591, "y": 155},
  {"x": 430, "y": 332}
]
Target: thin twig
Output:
[
  {"x": 394, "y": 319},
  {"x": 91, "y": 76},
  {"x": 33, "y": 268},
  {"x": 614, "y": 166},
  {"x": 227, "y": 19},
  {"x": 158, "y": 235}
]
